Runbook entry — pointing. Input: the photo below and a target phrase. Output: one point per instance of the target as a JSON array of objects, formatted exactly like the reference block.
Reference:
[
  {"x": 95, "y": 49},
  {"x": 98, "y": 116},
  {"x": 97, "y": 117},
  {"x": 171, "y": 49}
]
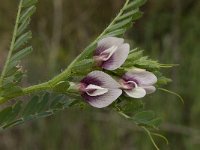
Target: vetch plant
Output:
[{"x": 108, "y": 73}]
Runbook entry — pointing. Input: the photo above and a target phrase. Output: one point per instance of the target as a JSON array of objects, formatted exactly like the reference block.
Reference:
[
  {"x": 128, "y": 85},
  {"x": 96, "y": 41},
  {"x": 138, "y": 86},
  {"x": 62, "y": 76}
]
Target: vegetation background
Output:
[{"x": 169, "y": 31}]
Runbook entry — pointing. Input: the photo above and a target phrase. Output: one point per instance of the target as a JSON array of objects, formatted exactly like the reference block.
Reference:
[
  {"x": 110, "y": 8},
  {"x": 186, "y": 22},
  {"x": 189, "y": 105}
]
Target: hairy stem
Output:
[{"x": 12, "y": 42}]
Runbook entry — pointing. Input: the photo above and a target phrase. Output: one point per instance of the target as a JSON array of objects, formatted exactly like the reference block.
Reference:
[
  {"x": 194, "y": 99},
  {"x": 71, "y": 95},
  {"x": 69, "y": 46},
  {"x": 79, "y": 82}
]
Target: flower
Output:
[
  {"x": 99, "y": 89},
  {"x": 111, "y": 53},
  {"x": 137, "y": 83}
]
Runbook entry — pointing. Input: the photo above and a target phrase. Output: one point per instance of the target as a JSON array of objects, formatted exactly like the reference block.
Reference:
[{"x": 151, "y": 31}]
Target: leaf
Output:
[
  {"x": 134, "y": 4},
  {"x": 147, "y": 118},
  {"x": 5, "y": 114},
  {"x": 117, "y": 33},
  {"x": 130, "y": 106},
  {"x": 61, "y": 87},
  {"x": 21, "y": 54},
  {"x": 43, "y": 104},
  {"x": 12, "y": 74},
  {"x": 134, "y": 14},
  {"x": 27, "y": 14},
  {"x": 38, "y": 107},
  {"x": 120, "y": 24},
  {"x": 31, "y": 106},
  {"x": 143, "y": 117},
  {"x": 28, "y": 3},
  {"x": 23, "y": 27},
  {"x": 83, "y": 66},
  {"x": 22, "y": 40},
  {"x": 163, "y": 80},
  {"x": 15, "y": 111}
]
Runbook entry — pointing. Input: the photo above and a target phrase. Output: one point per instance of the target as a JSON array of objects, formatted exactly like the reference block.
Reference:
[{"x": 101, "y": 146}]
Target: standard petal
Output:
[
  {"x": 103, "y": 100},
  {"x": 137, "y": 92},
  {"x": 118, "y": 58},
  {"x": 149, "y": 89},
  {"x": 106, "y": 43},
  {"x": 101, "y": 79},
  {"x": 142, "y": 77},
  {"x": 110, "y": 41}
]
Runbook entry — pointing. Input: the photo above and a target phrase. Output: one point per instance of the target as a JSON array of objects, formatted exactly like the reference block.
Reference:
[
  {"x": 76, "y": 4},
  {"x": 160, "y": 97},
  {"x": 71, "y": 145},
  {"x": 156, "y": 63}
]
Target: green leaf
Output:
[
  {"x": 147, "y": 118},
  {"x": 130, "y": 106},
  {"x": 38, "y": 107},
  {"x": 28, "y": 3},
  {"x": 23, "y": 27},
  {"x": 21, "y": 54},
  {"x": 163, "y": 80},
  {"x": 4, "y": 115},
  {"x": 22, "y": 40},
  {"x": 15, "y": 111},
  {"x": 120, "y": 24},
  {"x": 43, "y": 104},
  {"x": 31, "y": 106},
  {"x": 83, "y": 66},
  {"x": 61, "y": 87},
  {"x": 143, "y": 117},
  {"x": 134, "y": 14},
  {"x": 25, "y": 10},
  {"x": 134, "y": 4},
  {"x": 117, "y": 33},
  {"x": 27, "y": 14}
]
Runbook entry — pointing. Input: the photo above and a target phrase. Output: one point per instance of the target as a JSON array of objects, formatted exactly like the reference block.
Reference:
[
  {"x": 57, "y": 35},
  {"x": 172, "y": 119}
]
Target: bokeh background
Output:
[{"x": 168, "y": 31}]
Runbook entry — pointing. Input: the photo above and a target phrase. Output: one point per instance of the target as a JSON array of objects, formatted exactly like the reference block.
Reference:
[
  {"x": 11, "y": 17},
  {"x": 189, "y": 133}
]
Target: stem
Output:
[
  {"x": 62, "y": 76},
  {"x": 12, "y": 42},
  {"x": 28, "y": 90}
]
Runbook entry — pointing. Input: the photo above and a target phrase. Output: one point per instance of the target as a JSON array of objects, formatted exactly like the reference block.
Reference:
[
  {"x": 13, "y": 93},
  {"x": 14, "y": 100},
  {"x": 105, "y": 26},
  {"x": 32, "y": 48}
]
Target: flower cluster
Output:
[{"x": 100, "y": 89}]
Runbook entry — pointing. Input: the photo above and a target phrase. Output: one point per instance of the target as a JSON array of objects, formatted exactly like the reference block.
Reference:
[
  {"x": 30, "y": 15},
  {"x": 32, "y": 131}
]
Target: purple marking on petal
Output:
[
  {"x": 127, "y": 78},
  {"x": 128, "y": 85},
  {"x": 91, "y": 80},
  {"x": 101, "y": 79},
  {"x": 99, "y": 50}
]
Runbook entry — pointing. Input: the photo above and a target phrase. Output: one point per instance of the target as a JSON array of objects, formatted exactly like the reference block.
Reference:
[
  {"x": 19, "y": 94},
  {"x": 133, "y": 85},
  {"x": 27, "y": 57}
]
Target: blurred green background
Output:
[{"x": 169, "y": 31}]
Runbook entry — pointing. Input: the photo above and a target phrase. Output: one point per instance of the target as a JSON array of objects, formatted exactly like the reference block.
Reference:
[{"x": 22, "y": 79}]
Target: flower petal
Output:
[
  {"x": 103, "y": 100},
  {"x": 106, "y": 43},
  {"x": 137, "y": 92},
  {"x": 149, "y": 89},
  {"x": 101, "y": 79},
  {"x": 110, "y": 41},
  {"x": 118, "y": 57},
  {"x": 93, "y": 90},
  {"x": 143, "y": 77}
]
